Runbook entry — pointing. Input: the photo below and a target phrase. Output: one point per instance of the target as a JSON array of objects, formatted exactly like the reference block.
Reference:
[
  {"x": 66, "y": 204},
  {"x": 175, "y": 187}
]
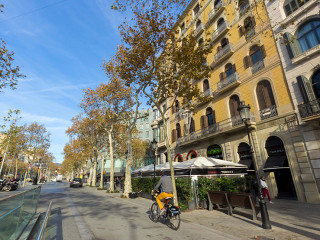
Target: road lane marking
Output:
[{"x": 83, "y": 229}]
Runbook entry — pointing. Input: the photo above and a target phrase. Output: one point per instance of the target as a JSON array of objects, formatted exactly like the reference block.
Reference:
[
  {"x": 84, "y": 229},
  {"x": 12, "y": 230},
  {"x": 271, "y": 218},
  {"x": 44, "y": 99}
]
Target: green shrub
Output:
[
  {"x": 183, "y": 206},
  {"x": 183, "y": 185}
]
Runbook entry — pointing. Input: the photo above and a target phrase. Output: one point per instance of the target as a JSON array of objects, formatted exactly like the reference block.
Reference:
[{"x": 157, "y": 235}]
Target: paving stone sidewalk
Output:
[{"x": 290, "y": 220}]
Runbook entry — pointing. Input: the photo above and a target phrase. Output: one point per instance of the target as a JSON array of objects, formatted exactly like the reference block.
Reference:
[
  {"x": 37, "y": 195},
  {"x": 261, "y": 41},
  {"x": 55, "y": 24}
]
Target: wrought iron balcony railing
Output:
[
  {"x": 227, "y": 81},
  {"x": 268, "y": 112},
  {"x": 219, "y": 30},
  {"x": 257, "y": 67},
  {"x": 226, "y": 49},
  {"x": 223, "y": 126},
  {"x": 309, "y": 109}
]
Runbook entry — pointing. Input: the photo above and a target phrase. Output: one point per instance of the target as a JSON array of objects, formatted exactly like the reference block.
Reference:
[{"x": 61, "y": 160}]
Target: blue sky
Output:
[{"x": 60, "y": 45}]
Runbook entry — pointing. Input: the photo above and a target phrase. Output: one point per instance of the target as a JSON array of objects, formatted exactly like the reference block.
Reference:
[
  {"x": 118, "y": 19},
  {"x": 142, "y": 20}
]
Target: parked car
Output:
[{"x": 76, "y": 182}]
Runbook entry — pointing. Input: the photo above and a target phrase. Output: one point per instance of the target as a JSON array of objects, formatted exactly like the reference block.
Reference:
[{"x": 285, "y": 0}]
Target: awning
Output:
[
  {"x": 276, "y": 163},
  {"x": 248, "y": 163}
]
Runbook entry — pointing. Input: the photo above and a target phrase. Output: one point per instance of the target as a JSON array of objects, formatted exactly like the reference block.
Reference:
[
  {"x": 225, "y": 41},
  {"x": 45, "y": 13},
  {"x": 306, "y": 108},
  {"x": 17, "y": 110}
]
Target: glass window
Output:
[
  {"x": 192, "y": 127},
  {"x": 265, "y": 95},
  {"x": 255, "y": 54},
  {"x": 292, "y": 5},
  {"x": 178, "y": 130},
  {"x": 316, "y": 84},
  {"x": 233, "y": 105},
  {"x": 308, "y": 35},
  {"x": 210, "y": 116},
  {"x": 206, "y": 85},
  {"x": 229, "y": 69}
]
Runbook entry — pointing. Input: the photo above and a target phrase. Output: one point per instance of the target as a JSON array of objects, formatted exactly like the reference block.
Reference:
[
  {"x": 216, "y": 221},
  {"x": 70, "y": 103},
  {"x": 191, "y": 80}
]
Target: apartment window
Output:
[
  {"x": 221, "y": 24},
  {"x": 316, "y": 83},
  {"x": 192, "y": 127},
  {"x": 292, "y": 5},
  {"x": 308, "y": 35},
  {"x": 196, "y": 10},
  {"x": 200, "y": 42},
  {"x": 233, "y": 105},
  {"x": 217, "y": 4},
  {"x": 182, "y": 27},
  {"x": 229, "y": 69},
  {"x": 205, "y": 85},
  {"x": 265, "y": 95},
  {"x": 224, "y": 42},
  {"x": 210, "y": 114},
  {"x": 178, "y": 128}
]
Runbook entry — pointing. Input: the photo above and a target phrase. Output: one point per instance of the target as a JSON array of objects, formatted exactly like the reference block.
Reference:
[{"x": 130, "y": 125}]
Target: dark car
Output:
[{"x": 76, "y": 182}]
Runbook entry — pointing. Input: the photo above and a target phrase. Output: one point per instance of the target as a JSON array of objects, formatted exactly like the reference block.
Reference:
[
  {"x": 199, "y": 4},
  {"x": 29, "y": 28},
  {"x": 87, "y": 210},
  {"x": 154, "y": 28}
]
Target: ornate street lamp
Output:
[
  {"x": 154, "y": 147},
  {"x": 244, "y": 111}
]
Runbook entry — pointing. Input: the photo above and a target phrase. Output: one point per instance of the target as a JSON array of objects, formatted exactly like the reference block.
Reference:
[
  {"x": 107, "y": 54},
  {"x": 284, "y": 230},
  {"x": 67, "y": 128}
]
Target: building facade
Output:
[
  {"x": 297, "y": 26},
  {"x": 246, "y": 67}
]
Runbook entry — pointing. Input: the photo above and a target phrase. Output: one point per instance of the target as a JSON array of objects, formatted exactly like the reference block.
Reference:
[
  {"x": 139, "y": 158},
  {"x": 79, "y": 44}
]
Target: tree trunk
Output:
[
  {"x": 25, "y": 176},
  {"x": 16, "y": 171},
  {"x": 175, "y": 196},
  {"x": 94, "y": 172},
  {"x": 111, "y": 162},
  {"x": 127, "y": 183},
  {"x": 90, "y": 175},
  {"x": 39, "y": 173},
  {"x": 102, "y": 170}
]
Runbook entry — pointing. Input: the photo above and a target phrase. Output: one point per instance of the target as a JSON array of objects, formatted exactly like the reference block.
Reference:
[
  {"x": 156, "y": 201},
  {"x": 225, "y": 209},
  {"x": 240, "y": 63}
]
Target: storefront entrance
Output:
[{"x": 277, "y": 162}]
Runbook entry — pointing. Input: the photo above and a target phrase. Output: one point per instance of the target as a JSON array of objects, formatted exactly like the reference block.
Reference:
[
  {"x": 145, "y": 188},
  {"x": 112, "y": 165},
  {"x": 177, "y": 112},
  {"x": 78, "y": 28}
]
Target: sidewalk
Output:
[{"x": 290, "y": 220}]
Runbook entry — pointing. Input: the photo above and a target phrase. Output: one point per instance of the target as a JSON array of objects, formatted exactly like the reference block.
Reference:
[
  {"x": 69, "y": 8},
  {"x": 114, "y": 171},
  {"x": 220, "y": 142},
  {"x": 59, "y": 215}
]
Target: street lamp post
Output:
[
  {"x": 244, "y": 111},
  {"x": 154, "y": 147}
]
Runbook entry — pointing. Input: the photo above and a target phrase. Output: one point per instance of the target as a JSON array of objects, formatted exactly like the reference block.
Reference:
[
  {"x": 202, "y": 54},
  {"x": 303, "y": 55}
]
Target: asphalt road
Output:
[{"x": 86, "y": 213}]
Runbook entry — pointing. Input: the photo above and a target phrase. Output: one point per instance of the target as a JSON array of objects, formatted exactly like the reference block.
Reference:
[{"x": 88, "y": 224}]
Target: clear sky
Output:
[{"x": 60, "y": 45}]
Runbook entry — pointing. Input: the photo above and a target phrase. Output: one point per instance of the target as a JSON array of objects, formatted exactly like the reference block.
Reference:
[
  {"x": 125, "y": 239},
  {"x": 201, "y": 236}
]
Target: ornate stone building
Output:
[{"x": 246, "y": 67}]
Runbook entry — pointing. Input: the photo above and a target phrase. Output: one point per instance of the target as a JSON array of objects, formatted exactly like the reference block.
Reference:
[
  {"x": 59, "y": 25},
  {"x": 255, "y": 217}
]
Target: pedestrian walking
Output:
[{"x": 264, "y": 188}]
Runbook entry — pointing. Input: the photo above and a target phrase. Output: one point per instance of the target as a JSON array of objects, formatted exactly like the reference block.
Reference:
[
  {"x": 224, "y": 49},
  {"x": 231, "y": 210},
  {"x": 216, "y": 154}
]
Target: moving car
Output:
[
  {"x": 76, "y": 182},
  {"x": 59, "y": 178}
]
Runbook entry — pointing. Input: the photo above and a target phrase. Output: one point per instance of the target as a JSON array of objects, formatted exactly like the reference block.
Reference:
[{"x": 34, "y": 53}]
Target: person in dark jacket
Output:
[{"x": 165, "y": 183}]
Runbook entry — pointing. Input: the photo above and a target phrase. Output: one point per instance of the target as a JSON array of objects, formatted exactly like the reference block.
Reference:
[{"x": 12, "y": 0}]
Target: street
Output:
[{"x": 86, "y": 213}]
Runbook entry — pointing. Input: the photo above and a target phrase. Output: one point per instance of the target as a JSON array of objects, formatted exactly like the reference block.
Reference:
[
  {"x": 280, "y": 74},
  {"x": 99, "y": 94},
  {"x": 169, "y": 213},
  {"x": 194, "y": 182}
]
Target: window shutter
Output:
[
  {"x": 219, "y": 48},
  {"x": 263, "y": 51},
  {"x": 184, "y": 130},
  {"x": 221, "y": 76},
  {"x": 234, "y": 68},
  {"x": 224, "y": 75},
  {"x": 242, "y": 30},
  {"x": 172, "y": 136},
  {"x": 172, "y": 109},
  {"x": 175, "y": 134},
  {"x": 253, "y": 22},
  {"x": 205, "y": 121},
  {"x": 246, "y": 62},
  {"x": 306, "y": 89},
  {"x": 202, "y": 122},
  {"x": 288, "y": 46},
  {"x": 214, "y": 116},
  {"x": 292, "y": 45}
]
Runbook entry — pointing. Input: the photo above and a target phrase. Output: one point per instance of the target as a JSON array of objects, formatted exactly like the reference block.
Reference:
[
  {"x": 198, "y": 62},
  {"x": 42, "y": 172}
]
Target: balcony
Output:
[
  {"x": 244, "y": 9},
  {"x": 256, "y": 67},
  {"x": 224, "y": 53},
  {"x": 222, "y": 29},
  {"x": 310, "y": 111},
  {"x": 228, "y": 83},
  {"x": 215, "y": 12},
  {"x": 249, "y": 33},
  {"x": 207, "y": 93},
  {"x": 227, "y": 125},
  {"x": 268, "y": 112},
  {"x": 198, "y": 31}
]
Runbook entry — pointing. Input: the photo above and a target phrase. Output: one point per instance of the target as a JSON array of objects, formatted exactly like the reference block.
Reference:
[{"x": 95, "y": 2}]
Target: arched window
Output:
[
  {"x": 192, "y": 127},
  {"x": 200, "y": 42},
  {"x": 243, "y": 5},
  {"x": 316, "y": 83},
  {"x": 205, "y": 85},
  {"x": 176, "y": 105},
  {"x": 178, "y": 128},
  {"x": 292, "y": 5},
  {"x": 191, "y": 154},
  {"x": 217, "y": 4},
  {"x": 233, "y": 105},
  {"x": 198, "y": 23},
  {"x": 211, "y": 118},
  {"x": 215, "y": 151},
  {"x": 224, "y": 42},
  {"x": 265, "y": 95},
  {"x": 229, "y": 69},
  {"x": 221, "y": 24},
  {"x": 308, "y": 35},
  {"x": 256, "y": 54}
]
